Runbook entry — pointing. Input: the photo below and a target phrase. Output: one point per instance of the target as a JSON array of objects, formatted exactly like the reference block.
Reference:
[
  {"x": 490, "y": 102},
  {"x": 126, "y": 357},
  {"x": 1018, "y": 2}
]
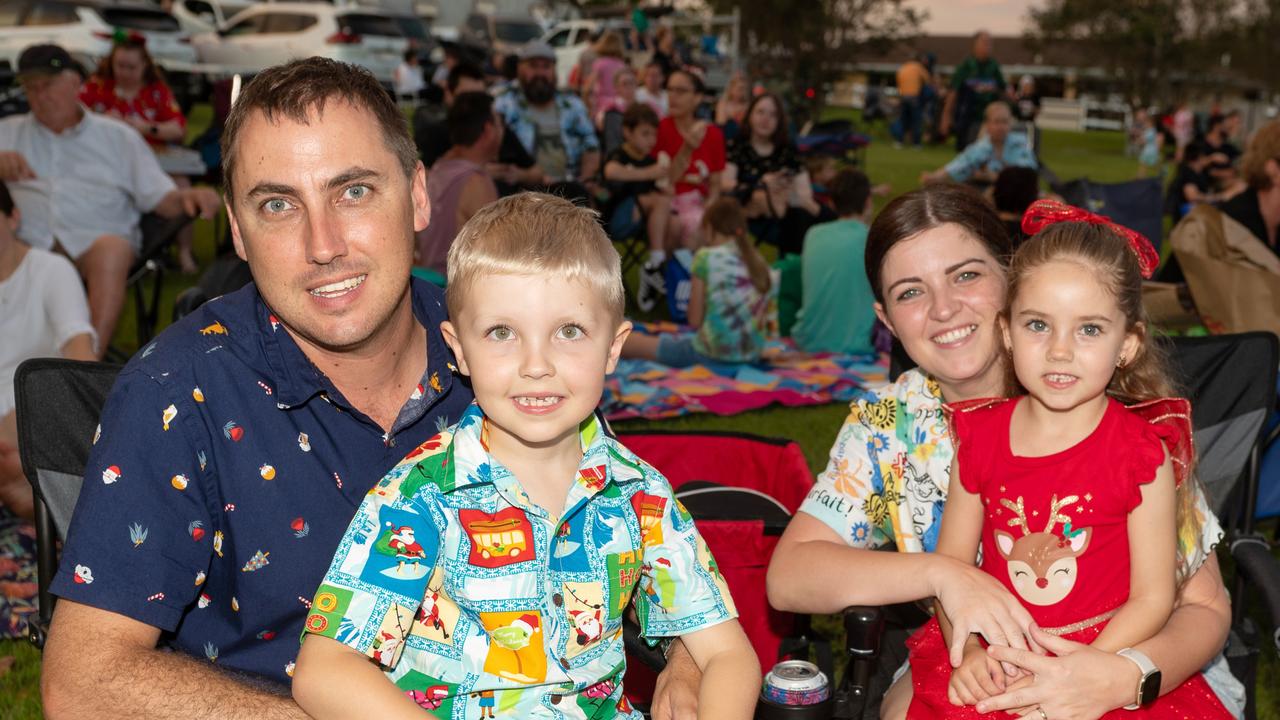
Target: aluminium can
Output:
[{"x": 796, "y": 682}]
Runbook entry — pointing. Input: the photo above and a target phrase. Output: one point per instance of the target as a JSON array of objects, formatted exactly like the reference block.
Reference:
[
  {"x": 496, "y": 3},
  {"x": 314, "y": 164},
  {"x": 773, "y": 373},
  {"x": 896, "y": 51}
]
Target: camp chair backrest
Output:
[
  {"x": 1138, "y": 204},
  {"x": 58, "y": 403},
  {"x": 1231, "y": 382},
  {"x": 744, "y": 467}
]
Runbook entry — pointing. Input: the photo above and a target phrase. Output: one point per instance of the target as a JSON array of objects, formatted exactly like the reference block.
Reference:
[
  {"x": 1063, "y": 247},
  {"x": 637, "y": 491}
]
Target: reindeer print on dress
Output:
[{"x": 1042, "y": 565}]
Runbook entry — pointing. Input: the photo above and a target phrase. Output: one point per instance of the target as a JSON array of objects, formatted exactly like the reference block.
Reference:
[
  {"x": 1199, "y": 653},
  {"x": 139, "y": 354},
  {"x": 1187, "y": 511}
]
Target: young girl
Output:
[
  {"x": 728, "y": 300},
  {"x": 1075, "y": 489},
  {"x": 1149, "y": 154}
]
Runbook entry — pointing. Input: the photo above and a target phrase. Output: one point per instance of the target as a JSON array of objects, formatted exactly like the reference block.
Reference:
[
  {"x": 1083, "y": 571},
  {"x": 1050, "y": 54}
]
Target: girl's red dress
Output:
[{"x": 1055, "y": 533}]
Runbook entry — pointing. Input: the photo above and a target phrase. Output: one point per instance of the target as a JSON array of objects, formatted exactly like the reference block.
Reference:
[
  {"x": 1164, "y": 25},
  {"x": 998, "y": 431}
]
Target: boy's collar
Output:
[{"x": 473, "y": 465}]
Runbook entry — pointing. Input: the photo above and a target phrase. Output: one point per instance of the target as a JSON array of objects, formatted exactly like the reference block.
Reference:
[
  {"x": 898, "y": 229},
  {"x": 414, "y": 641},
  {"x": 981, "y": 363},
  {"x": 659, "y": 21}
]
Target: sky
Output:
[{"x": 960, "y": 17}]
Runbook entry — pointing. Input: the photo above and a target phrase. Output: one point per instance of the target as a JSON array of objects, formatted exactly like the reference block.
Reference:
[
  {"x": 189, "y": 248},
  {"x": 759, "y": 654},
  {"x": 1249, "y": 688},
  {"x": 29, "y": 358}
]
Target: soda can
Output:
[{"x": 796, "y": 682}]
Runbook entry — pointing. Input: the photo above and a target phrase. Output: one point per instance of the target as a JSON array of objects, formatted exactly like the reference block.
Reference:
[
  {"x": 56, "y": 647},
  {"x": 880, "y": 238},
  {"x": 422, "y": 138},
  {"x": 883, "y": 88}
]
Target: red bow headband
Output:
[{"x": 1044, "y": 213}]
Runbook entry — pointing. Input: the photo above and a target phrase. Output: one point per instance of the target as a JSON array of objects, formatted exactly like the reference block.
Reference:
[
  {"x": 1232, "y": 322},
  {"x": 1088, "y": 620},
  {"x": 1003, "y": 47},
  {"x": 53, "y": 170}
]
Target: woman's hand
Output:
[
  {"x": 975, "y": 602},
  {"x": 697, "y": 133},
  {"x": 1081, "y": 683}
]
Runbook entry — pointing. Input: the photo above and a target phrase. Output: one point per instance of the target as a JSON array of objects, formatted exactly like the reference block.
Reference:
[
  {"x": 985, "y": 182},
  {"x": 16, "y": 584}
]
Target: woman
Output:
[
  {"x": 128, "y": 86},
  {"x": 609, "y": 61},
  {"x": 935, "y": 264},
  {"x": 695, "y": 149},
  {"x": 765, "y": 174},
  {"x": 43, "y": 313},
  {"x": 731, "y": 108}
]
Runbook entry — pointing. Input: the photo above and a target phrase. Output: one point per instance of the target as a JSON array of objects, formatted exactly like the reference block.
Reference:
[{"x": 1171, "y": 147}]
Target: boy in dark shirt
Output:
[{"x": 632, "y": 178}]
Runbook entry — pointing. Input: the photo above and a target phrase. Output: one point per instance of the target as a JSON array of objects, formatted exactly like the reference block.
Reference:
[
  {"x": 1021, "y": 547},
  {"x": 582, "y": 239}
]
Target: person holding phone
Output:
[{"x": 765, "y": 174}]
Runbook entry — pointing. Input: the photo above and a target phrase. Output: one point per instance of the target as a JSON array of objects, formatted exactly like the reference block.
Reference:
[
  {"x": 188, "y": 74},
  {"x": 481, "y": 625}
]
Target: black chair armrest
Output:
[
  {"x": 863, "y": 632},
  {"x": 1261, "y": 570}
]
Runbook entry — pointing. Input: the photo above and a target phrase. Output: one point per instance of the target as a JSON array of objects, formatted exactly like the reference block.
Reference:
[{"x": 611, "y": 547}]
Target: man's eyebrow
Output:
[
  {"x": 351, "y": 175},
  {"x": 268, "y": 188},
  {"x": 347, "y": 176}
]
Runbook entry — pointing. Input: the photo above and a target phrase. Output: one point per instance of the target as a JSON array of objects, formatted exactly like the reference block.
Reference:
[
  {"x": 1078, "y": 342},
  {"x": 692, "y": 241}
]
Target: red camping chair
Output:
[{"x": 741, "y": 490}]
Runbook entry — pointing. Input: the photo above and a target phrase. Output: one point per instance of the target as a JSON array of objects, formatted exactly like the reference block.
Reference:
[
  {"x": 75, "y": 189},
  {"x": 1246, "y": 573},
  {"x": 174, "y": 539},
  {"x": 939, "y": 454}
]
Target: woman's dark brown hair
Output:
[
  {"x": 927, "y": 208},
  {"x": 150, "y": 76},
  {"x": 780, "y": 136}
]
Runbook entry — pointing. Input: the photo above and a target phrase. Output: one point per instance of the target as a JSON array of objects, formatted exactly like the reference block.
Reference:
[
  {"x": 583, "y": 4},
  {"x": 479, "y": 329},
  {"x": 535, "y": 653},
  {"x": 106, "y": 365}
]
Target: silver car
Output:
[{"x": 273, "y": 33}]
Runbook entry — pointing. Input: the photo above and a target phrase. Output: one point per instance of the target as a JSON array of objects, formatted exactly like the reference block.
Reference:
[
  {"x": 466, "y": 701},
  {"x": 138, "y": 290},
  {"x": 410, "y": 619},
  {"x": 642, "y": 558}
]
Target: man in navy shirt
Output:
[{"x": 234, "y": 449}]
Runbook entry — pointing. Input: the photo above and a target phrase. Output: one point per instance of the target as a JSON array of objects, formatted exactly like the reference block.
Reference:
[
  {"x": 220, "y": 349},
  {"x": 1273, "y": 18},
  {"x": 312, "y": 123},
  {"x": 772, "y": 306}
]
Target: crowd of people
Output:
[{"x": 345, "y": 380}]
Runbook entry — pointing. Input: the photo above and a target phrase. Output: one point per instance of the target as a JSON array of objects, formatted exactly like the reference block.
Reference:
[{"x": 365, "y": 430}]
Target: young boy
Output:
[
  {"x": 632, "y": 175},
  {"x": 486, "y": 575}
]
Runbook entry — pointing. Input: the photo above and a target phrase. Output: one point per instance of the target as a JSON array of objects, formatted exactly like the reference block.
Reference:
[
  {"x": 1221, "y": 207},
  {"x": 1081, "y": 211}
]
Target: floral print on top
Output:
[
  {"x": 886, "y": 481},
  {"x": 732, "y": 326},
  {"x": 473, "y": 597}
]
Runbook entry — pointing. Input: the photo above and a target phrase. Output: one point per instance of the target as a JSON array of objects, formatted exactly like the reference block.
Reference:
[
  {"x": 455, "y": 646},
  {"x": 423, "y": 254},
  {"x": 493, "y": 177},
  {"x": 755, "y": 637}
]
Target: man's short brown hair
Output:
[
  {"x": 294, "y": 89},
  {"x": 535, "y": 234},
  {"x": 1264, "y": 146}
]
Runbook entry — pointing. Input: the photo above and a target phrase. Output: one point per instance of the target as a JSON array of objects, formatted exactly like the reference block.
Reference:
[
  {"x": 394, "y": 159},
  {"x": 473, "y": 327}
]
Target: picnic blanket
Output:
[
  {"x": 784, "y": 375},
  {"x": 17, "y": 574}
]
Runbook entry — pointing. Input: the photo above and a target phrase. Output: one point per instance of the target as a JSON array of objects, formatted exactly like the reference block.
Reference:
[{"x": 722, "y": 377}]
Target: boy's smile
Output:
[{"x": 537, "y": 350}]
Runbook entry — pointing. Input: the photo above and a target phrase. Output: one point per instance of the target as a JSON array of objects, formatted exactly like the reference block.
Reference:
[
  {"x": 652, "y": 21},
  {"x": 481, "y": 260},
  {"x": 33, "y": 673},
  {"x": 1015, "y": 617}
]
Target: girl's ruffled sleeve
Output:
[
  {"x": 1167, "y": 430},
  {"x": 968, "y": 421}
]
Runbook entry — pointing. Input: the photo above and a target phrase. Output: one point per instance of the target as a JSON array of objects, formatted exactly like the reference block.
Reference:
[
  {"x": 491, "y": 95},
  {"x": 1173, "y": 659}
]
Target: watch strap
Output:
[{"x": 1148, "y": 669}]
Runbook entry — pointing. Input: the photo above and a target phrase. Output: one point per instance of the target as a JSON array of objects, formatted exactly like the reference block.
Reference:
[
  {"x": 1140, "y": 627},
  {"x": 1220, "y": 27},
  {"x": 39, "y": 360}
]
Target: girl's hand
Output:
[
  {"x": 978, "y": 677},
  {"x": 1081, "y": 683},
  {"x": 975, "y": 602}
]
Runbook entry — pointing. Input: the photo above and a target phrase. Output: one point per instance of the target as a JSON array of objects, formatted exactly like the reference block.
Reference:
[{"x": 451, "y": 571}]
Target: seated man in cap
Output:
[
  {"x": 83, "y": 181},
  {"x": 553, "y": 126}
]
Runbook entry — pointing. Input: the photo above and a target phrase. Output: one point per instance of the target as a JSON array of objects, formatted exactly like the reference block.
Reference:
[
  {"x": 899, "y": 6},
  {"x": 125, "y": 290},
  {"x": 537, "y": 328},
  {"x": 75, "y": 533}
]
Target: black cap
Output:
[{"x": 46, "y": 60}]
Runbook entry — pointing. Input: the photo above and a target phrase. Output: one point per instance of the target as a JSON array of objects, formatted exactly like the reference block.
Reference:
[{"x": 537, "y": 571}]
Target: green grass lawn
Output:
[{"x": 1071, "y": 155}]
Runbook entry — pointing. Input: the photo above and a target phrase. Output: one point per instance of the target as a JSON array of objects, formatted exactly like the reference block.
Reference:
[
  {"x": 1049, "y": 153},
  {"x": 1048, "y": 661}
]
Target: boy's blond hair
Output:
[{"x": 535, "y": 234}]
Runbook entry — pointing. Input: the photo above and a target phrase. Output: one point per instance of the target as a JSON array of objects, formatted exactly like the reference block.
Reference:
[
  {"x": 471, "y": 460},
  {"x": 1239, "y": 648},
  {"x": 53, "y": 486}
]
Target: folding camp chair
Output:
[
  {"x": 1231, "y": 382},
  {"x": 58, "y": 404},
  {"x": 741, "y": 490},
  {"x": 158, "y": 234},
  {"x": 1137, "y": 204}
]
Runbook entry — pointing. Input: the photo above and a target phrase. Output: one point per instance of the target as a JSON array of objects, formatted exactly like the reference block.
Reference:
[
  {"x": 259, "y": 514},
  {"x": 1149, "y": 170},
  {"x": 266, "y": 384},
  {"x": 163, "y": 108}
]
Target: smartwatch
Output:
[{"x": 1148, "y": 684}]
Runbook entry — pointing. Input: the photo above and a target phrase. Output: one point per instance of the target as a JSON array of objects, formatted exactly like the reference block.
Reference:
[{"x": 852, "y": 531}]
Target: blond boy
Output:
[{"x": 492, "y": 566}]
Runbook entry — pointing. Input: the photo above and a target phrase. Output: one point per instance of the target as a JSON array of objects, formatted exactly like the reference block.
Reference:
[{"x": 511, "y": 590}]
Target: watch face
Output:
[{"x": 1151, "y": 687}]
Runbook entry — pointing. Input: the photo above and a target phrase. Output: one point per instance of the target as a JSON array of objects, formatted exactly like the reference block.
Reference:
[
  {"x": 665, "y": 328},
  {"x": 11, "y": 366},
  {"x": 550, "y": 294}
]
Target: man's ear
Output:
[
  {"x": 236, "y": 239},
  {"x": 451, "y": 339},
  {"x": 421, "y": 203},
  {"x": 615, "y": 348}
]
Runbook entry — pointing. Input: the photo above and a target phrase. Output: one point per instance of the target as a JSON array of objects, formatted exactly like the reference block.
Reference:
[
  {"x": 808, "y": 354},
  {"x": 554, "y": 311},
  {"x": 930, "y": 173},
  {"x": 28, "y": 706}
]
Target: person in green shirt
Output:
[
  {"x": 837, "y": 312},
  {"x": 976, "y": 82}
]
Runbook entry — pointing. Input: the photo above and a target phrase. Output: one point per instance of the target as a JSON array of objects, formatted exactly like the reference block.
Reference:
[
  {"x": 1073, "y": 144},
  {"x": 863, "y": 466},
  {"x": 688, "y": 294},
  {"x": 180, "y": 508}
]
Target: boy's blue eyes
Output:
[{"x": 503, "y": 333}]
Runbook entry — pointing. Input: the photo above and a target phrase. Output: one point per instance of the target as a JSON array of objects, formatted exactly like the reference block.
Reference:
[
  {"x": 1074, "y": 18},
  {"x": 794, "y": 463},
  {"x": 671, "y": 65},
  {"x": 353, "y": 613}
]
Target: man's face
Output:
[
  {"x": 999, "y": 121},
  {"x": 326, "y": 224},
  {"x": 537, "y": 78},
  {"x": 982, "y": 46},
  {"x": 54, "y": 98}
]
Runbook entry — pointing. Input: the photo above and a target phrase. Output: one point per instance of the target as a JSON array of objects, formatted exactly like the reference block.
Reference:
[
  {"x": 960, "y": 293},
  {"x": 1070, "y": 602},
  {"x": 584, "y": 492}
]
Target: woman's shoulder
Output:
[{"x": 913, "y": 391}]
